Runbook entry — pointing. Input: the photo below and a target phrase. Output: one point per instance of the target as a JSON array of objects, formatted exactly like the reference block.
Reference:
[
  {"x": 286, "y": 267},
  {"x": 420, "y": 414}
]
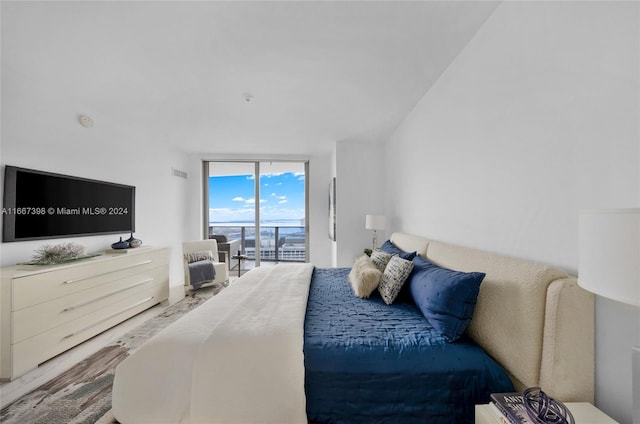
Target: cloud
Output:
[
  {"x": 221, "y": 210},
  {"x": 229, "y": 214},
  {"x": 248, "y": 212},
  {"x": 238, "y": 199},
  {"x": 282, "y": 213},
  {"x": 281, "y": 199}
]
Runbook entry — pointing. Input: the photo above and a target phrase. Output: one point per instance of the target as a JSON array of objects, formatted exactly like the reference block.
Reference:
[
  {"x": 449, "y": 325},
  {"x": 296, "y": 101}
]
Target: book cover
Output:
[{"x": 511, "y": 405}]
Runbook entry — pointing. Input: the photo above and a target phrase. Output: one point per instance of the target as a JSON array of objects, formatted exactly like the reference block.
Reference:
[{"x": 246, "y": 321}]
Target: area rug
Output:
[{"x": 82, "y": 394}]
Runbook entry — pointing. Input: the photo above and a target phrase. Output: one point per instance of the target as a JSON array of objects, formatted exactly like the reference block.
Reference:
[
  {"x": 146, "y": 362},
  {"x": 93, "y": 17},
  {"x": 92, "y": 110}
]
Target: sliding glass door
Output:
[
  {"x": 282, "y": 197},
  {"x": 260, "y": 208}
]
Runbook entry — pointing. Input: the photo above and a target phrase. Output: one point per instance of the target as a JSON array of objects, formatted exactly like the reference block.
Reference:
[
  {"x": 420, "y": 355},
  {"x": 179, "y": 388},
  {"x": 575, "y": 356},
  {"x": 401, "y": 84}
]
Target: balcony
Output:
[{"x": 278, "y": 243}]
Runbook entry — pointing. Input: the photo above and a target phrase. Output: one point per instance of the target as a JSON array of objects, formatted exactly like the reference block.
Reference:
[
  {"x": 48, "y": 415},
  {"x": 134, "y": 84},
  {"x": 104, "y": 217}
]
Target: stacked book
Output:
[{"x": 508, "y": 408}]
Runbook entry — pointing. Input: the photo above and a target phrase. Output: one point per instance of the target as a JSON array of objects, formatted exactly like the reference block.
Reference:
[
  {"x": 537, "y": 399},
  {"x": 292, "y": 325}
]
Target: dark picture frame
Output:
[{"x": 332, "y": 209}]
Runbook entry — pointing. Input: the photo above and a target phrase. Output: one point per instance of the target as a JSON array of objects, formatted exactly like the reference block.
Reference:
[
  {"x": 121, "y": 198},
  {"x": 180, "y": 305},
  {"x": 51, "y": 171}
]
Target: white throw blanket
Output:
[{"x": 238, "y": 358}]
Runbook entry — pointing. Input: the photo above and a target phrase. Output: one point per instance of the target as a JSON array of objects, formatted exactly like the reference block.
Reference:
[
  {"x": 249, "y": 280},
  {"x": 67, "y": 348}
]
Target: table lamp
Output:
[
  {"x": 609, "y": 264},
  {"x": 375, "y": 222}
]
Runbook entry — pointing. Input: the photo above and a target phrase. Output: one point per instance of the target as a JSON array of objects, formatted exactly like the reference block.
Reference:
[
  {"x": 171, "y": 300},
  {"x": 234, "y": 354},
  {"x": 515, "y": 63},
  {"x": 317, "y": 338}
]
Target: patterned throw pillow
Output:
[
  {"x": 364, "y": 277},
  {"x": 203, "y": 255},
  {"x": 393, "y": 278},
  {"x": 380, "y": 259}
]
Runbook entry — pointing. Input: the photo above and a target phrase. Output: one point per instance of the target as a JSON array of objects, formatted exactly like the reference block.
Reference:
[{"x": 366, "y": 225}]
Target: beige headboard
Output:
[{"x": 531, "y": 318}]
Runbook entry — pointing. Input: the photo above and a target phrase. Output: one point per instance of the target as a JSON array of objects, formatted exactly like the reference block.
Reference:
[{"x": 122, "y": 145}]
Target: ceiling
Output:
[{"x": 289, "y": 77}]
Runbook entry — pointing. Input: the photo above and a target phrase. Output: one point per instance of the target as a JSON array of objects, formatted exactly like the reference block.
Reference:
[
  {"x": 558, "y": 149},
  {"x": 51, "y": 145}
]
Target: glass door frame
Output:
[{"x": 256, "y": 162}]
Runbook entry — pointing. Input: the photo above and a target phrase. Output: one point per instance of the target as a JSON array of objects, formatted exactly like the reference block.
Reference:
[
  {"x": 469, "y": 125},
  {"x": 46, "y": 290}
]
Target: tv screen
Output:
[{"x": 42, "y": 205}]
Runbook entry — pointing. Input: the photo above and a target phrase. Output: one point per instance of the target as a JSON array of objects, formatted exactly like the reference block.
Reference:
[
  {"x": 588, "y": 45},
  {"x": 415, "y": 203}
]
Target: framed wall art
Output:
[{"x": 332, "y": 209}]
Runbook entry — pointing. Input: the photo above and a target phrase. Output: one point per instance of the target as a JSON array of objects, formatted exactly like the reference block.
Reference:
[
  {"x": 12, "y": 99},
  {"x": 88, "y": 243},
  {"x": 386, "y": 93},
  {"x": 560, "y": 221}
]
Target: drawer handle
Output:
[
  {"x": 108, "y": 318},
  {"x": 108, "y": 272},
  {"x": 79, "y": 305}
]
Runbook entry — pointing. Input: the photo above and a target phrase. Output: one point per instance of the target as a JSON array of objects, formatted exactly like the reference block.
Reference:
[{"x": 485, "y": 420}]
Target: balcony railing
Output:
[{"x": 278, "y": 243}]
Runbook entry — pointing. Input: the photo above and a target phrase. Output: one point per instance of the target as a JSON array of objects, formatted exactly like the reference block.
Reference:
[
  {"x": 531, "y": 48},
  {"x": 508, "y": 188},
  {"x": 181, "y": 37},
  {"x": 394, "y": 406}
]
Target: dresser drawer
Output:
[
  {"x": 45, "y": 310},
  {"x": 36, "y": 319},
  {"x": 38, "y": 349},
  {"x": 63, "y": 281}
]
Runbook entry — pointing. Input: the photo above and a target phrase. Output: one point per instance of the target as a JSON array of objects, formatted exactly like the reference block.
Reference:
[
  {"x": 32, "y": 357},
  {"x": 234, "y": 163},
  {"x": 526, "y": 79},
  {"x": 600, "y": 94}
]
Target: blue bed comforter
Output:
[{"x": 368, "y": 362}]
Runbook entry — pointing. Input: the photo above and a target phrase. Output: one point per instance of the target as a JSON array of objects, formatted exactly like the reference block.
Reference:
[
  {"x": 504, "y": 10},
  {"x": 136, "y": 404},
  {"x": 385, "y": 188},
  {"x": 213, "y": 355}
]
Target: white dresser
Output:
[{"x": 45, "y": 310}]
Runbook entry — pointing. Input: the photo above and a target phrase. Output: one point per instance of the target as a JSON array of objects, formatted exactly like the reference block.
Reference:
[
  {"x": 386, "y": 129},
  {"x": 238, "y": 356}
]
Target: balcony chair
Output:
[{"x": 226, "y": 249}]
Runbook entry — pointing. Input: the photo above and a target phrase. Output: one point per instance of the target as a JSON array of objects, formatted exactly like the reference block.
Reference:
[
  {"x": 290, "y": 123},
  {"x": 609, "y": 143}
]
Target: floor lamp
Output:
[
  {"x": 609, "y": 265},
  {"x": 375, "y": 222}
]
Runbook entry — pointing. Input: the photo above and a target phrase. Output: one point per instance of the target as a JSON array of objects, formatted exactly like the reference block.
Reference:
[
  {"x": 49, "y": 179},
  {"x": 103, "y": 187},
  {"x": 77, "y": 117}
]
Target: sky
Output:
[{"x": 232, "y": 198}]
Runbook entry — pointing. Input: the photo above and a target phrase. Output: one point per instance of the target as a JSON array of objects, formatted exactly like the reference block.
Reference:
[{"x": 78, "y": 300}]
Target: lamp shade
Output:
[
  {"x": 609, "y": 253},
  {"x": 375, "y": 222}
]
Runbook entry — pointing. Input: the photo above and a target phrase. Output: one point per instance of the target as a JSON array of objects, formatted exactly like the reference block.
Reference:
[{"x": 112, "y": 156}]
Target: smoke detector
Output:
[{"x": 86, "y": 121}]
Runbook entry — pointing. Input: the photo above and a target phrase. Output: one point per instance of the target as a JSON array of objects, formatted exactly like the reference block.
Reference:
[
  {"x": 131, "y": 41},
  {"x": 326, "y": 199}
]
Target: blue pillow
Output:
[
  {"x": 389, "y": 247},
  {"x": 445, "y": 297}
]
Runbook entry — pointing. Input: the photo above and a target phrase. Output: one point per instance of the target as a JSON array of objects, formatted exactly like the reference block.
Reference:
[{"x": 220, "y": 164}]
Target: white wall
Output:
[
  {"x": 359, "y": 168},
  {"x": 535, "y": 119},
  {"x": 334, "y": 171},
  {"x": 44, "y": 90},
  {"x": 359, "y": 186},
  {"x": 159, "y": 197},
  {"x": 320, "y": 246}
]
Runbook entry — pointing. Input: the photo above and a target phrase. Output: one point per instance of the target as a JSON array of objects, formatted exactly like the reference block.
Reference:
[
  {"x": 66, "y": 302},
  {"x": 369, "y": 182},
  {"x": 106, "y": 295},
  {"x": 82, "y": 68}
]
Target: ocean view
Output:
[
  {"x": 282, "y": 239},
  {"x": 233, "y": 203}
]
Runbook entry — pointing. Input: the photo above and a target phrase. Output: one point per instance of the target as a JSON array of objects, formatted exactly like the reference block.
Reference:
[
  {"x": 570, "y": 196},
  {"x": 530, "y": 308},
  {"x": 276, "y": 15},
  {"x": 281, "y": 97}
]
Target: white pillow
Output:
[
  {"x": 380, "y": 259},
  {"x": 364, "y": 277},
  {"x": 201, "y": 255},
  {"x": 393, "y": 278}
]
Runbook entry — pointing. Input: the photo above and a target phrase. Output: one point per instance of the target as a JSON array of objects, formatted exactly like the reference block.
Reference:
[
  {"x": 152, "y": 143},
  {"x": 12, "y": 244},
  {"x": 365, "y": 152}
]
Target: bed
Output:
[
  {"x": 374, "y": 360},
  {"x": 293, "y": 344}
]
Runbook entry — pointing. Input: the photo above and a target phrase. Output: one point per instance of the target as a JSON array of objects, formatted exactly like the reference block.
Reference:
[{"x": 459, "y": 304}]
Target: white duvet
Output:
[{"x": 235, "y": 359}]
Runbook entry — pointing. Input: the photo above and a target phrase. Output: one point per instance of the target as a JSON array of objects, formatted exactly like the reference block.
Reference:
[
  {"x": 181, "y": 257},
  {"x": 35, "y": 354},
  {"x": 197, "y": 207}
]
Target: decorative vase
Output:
[
  {"x": 134, "y": 242},
  {"x": 120, "y": 244}
]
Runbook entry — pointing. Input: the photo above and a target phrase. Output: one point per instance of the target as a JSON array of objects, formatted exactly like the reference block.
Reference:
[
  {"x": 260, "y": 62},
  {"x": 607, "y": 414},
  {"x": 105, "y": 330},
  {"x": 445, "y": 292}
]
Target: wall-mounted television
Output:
[{"x": 44, "y": 205}]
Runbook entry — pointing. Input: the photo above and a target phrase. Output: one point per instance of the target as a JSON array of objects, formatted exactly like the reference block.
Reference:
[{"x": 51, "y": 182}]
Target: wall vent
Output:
[{"x": 178, "y": 173}]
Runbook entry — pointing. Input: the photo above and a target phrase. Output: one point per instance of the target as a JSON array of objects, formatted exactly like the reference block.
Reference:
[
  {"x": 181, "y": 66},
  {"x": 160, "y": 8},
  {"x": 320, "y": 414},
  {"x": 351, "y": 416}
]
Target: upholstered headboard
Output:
[{"x": 531, "y": 318}]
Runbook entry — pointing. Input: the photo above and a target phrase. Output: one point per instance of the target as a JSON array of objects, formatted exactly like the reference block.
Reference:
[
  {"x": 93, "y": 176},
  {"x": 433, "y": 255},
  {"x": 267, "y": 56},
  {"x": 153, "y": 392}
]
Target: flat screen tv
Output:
[{"x": 43, "y": 205}]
